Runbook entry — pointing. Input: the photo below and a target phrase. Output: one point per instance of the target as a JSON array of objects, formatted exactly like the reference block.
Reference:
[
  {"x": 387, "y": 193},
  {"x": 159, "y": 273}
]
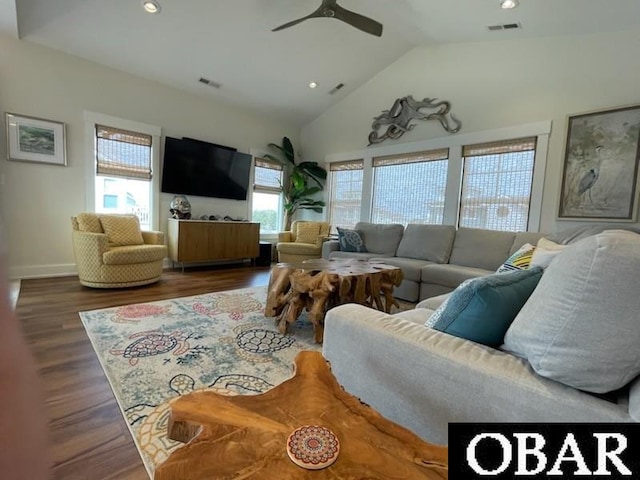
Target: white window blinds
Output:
[
  {"x": 496, "y": 184},
  {"x": 345, "y": 185},
  {"x": 410, "y": 188},
  {"x": 267, "y": 176},
  {"x": 123, "y": 153}
]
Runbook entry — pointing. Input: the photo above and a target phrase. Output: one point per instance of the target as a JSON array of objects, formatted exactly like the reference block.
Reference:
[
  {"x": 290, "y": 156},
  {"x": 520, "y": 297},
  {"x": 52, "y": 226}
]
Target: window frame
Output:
[
  {"x": 91, "y": 119},
  {"x": 269, "y": 190},
  {"x": 329, "y": 184},
  {"x": 483, "y": 151},
  {"x": 455, "y": 143}
]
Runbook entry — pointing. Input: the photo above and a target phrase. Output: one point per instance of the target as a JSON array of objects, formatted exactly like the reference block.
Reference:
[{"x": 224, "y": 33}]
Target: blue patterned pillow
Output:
[
  {"x": 482, "y": 309},
  {"x": 350, "y": 241}
]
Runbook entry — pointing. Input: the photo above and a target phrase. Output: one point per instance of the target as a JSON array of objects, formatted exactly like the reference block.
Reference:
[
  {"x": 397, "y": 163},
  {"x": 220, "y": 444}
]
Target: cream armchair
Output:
[
  {"x": 112, "y": 252},
  {"x": 302, "y": 242}
]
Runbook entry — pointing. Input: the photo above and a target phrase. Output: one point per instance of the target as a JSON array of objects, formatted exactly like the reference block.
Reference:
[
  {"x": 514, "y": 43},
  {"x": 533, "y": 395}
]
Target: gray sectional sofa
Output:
[
  {"x": 434, "y": 259},
  {"x": 423, "y": 379}
]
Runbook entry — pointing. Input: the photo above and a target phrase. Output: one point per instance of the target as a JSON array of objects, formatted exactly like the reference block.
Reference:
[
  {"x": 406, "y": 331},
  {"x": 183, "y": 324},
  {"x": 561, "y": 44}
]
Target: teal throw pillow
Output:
[
  {"x": 350, "y": 241},
  {"x": 482, "y": 309}
]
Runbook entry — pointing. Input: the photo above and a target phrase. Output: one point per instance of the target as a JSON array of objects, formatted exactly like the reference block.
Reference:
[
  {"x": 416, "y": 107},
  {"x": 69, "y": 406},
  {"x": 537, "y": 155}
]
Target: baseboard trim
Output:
[
  {"x": 41, "y": 271},
  {"x": 67, "y": 270}
]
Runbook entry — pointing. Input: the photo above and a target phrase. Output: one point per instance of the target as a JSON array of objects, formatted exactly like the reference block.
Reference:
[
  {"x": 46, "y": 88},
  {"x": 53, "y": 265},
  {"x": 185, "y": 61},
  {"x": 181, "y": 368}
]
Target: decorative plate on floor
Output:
[{"x": 313, "y": 447}]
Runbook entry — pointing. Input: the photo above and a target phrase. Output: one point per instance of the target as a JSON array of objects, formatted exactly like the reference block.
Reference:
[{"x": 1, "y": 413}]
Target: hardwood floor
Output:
[{"x": 89, "y": 438}]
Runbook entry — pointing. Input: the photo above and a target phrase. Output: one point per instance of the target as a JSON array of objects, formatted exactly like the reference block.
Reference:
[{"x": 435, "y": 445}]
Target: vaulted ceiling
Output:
[{"x": 230, "y": 42}]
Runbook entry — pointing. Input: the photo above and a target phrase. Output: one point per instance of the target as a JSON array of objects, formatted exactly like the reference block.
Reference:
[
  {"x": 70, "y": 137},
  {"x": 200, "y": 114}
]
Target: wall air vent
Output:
[
  {"x": 336, "y": 88},
  {"x": 506, "y": 26},
  {"x": 211, "y": 83}
]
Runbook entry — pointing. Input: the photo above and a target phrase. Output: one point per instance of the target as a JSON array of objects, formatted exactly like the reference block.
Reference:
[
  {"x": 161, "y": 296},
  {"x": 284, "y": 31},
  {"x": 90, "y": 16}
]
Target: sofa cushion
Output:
[
  {"x": 487, "y": 249},
  {"x": 580, "y": 327},
  {"x": 427, "y": 242},
  {"x": 307, "y": 232},
  {"x": 520, "y": 260},
  {"x": 545, "y": 252},
  {"x": 434, "y": 302},
  {"x": 522, "y": 238},
  {"x": 481, "y": 309},
  {"x": 573, "y": 234},
  {"x": 359, "y": 255},
  {"x": 411, "y": 268},
  {"x": 419, "y": 316},
  {"x": 450, "y": 275},
  {"x": 89, "y": 222},
  {"x": 130, "y": 254},
  {"x": 122, "y": 229},
  {"x": 350, "y": 241},
  {"x": 382, "y": 239}
]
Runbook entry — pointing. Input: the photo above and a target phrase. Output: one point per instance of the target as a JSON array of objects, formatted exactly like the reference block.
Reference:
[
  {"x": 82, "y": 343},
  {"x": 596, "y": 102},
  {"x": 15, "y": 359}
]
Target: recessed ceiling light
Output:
[
  {"x": 151, "y": 6},
  {"x": 313, "y": 85},
  {"x": 507, "y": 4}
]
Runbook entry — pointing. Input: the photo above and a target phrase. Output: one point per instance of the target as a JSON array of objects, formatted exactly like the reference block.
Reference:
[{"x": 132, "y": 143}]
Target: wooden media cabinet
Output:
[{"x": 209, "y": 241}]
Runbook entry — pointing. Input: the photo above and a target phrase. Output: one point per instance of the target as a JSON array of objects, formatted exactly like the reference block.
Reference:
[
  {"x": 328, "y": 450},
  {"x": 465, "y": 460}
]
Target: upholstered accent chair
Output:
[
  {"x": 302, "y": 242},
  {"x": 112, "y": 252}
]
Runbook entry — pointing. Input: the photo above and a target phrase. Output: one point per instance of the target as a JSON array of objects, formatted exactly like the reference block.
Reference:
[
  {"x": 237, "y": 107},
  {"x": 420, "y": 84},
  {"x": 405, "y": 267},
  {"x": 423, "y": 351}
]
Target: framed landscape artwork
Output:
[
  {"x": 601, "y": 166},
  {"x": 31, "y": 139}
]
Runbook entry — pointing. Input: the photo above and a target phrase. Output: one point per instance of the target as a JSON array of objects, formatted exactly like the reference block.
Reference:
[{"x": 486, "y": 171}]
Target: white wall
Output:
[
  {"x": 493, "y": 85},
  {"x": 38, "y": 200}
]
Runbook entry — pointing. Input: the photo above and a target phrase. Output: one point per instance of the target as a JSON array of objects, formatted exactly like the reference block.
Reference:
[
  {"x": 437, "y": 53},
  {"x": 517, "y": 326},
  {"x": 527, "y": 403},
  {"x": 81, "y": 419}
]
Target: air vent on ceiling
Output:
[
  {"x": 336, "y": 88},
  {"x": 506, "y": 26},
  {"x": 211, "y": 83}
]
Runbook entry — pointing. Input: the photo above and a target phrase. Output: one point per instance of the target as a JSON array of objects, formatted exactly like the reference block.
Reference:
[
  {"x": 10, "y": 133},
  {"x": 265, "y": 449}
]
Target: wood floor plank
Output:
[{"x": 89, "y": 438}]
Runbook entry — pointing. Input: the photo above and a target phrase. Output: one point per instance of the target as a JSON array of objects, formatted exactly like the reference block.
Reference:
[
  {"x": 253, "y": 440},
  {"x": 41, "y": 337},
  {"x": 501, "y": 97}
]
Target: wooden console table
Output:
[
  {"x": 318, "y": 285},
  {"x": 245, "y": 436},
  {"x": 209, "y": 241}
]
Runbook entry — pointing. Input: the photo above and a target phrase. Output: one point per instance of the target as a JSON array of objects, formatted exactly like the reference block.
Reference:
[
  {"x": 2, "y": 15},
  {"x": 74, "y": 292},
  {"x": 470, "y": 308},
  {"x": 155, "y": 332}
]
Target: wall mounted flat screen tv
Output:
[{"x": 203, "y": 169}]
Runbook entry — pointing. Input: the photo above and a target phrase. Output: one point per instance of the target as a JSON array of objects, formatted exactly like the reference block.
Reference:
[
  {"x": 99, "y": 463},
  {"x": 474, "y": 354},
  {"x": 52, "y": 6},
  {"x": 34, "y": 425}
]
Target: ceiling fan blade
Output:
[
  {"x": 317, "y": 13},
  {"x": 290, "y": 24},
  {"x": 361, "y": 22}
]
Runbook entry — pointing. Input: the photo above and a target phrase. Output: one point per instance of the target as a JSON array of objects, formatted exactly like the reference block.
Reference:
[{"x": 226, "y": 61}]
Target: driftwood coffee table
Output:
[
  {"x": 247, "y": 436},
  {"x": 318, "y": 285}
]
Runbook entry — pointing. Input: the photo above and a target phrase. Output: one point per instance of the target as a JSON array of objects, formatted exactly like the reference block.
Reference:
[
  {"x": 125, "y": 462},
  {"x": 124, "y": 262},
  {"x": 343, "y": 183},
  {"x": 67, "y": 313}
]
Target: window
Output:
[
  {"x": 267, "y": 198},
  {"x": 492, "y": 179},
  {"x": 345, "y": 193},
  {"x": 121, "y": 176},
  {"x": 410, "y": 188},
  {"x": 496, "y": 184}
]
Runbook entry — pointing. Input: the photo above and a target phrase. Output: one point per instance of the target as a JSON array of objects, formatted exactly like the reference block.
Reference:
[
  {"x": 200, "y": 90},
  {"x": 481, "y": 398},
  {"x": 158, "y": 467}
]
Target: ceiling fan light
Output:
[
  {"x": 508, "y": 4},
  {"x": 313, "y": 84},
  {"x": 151, "y": 6}
]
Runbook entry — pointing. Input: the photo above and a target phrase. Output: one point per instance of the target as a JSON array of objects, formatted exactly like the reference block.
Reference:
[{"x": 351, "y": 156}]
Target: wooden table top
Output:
[{"x": 245, "y": 437}]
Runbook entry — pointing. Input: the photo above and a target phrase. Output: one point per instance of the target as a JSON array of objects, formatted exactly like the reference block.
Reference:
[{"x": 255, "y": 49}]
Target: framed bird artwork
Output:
[{"x": 600, "y": 171}]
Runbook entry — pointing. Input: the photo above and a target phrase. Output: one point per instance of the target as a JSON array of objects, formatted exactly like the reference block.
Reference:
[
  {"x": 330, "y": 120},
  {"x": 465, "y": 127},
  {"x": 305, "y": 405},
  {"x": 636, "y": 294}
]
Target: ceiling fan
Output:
[{"x": 331, "y": 9}]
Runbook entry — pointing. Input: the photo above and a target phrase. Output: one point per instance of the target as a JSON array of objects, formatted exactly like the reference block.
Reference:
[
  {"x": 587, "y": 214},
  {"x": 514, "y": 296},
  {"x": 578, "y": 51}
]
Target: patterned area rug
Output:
[{"x": 153, "y": 352}]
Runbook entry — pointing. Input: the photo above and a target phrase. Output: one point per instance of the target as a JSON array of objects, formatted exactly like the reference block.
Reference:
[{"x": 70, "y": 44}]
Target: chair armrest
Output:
[
  {"x": 88, "y": 249},
  {"x": 284, "y": 237},
  {"x": 153, "y": 237},
  {"x": 328, "y": 247},
  {"x": 320, "y": 239}
]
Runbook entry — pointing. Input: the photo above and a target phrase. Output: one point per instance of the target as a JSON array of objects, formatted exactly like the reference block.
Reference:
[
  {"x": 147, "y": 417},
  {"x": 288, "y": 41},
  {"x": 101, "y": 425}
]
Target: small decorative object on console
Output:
[{"x": 180, "y": 207}]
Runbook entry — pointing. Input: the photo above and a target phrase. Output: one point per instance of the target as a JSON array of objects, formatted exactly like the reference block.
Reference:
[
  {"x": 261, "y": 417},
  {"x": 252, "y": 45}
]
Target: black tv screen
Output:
[{"x": 203, "y": 169}]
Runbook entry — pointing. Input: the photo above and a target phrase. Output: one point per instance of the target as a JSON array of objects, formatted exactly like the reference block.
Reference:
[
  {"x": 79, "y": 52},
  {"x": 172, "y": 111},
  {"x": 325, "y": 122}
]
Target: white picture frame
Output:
[{"x": 37, "y": 140}]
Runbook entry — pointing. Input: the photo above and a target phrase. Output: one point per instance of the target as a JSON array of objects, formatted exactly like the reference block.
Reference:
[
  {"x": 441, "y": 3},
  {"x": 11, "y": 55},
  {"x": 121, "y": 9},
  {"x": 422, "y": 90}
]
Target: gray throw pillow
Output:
[
  {"x": 581, "y": 325},
  {"x": 350, "y": 241}
]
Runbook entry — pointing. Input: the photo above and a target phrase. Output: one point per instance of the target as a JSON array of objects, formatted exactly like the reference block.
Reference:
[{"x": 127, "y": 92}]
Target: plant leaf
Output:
[{"x": 287, "y": 147}]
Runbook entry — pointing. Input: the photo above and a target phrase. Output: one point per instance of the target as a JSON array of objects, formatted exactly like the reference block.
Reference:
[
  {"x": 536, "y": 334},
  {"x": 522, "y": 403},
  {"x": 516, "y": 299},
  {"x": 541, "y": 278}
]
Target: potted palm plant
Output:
[{"x": 302, "y": 181}]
